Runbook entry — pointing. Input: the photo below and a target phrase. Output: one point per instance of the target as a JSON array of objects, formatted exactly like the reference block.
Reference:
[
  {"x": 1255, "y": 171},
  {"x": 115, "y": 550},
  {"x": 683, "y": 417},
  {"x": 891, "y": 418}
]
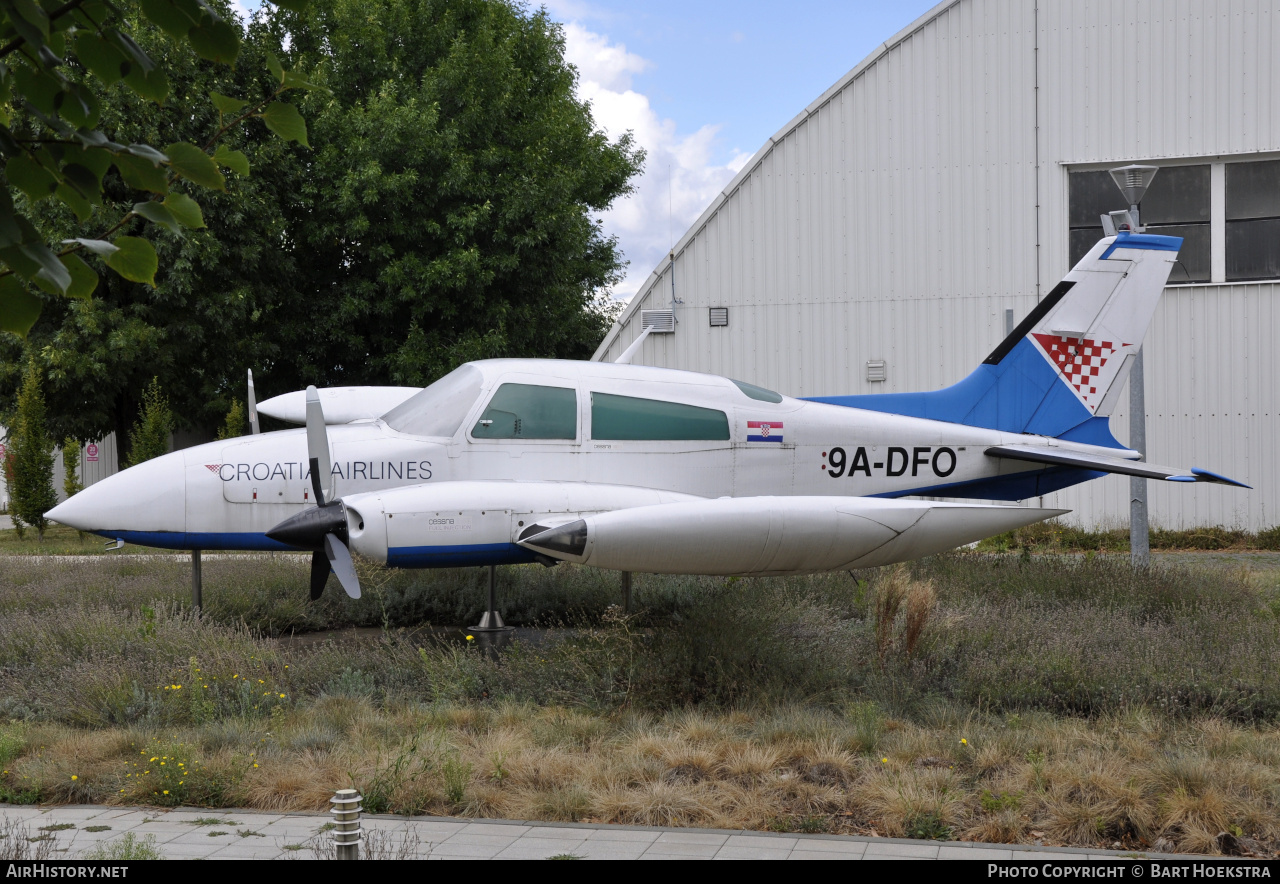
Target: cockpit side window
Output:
[
  {"x": 529, "y": 411},
  {"x": 629, "y": 418},
  {"x": 760, "y": 394},
  {"x": 441, "y": 408}
]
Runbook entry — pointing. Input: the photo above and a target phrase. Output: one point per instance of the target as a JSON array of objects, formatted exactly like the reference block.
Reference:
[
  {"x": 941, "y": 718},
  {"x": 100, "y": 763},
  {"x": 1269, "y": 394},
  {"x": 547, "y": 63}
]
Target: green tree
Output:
[
  {"x": 100, "y": 353},
  {"x": 31, "y": 495},
  {"x": 445, "y": 211},
  {"x": 235, "y": 423},
  {"x": 71, "y": 484},
  {"x": 150, "y": 435},
  {"x": 56, "y": 59},
  {"x": 449, "y": 207},
  {"x": 7, "y": 464}
]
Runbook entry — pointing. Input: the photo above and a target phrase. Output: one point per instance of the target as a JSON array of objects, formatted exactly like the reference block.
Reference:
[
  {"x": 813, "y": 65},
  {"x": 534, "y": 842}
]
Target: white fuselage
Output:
[{"x": 226, "y": 495}]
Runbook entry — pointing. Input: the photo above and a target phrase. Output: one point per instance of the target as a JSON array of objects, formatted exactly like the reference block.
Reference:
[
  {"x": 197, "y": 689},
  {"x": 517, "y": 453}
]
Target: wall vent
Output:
[
  {"x": 719, "y": 316},
  {"x": 876, "y": 370},
  {"x": 662, "y": 321}
]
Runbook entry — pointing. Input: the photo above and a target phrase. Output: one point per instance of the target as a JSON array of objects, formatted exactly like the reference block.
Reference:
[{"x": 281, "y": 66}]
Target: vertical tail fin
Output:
[{"x": 1062, "y": 368}]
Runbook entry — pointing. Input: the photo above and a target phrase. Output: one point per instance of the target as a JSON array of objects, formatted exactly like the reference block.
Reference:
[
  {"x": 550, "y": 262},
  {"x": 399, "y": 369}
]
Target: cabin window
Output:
[
  {"x": 760, "y": 394},
  {"x": 628, "y": 418},
  {"x": 1253, "y": 220},
  {"x": 439, "y": 409},
  {"x": 529, "y": 411}
]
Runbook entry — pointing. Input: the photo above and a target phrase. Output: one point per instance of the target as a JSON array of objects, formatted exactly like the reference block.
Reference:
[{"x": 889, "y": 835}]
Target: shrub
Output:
[
  {"x": 149, "y": 437},
  {"x": 234, "y": 425},
  {"x": 31, "y": 492}
]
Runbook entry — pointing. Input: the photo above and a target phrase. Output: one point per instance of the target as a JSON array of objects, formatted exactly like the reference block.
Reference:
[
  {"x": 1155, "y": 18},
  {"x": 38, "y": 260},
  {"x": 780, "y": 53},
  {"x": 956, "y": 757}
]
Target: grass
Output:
[
  {"x": 1051, "y": 699},
  {"x": 18, "y": 844},
  {"x": 127, "y": 847},
  {"x": 1058, "y": 537},
  {"x": 60, "y": 540}
]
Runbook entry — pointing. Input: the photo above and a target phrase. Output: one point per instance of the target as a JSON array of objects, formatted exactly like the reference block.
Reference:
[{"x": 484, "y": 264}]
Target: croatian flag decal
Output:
[{"x": 764, "y": 431}]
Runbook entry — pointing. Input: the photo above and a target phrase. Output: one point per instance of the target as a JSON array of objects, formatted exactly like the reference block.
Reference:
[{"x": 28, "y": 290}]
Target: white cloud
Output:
[
  {"x": 680, "y": 178},
  {"x": 244, "y": 9}
]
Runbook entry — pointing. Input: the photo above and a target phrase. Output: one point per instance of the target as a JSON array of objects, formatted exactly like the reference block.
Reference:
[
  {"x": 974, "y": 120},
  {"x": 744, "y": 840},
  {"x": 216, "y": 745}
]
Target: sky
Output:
[{"x": 702, "y": 84}]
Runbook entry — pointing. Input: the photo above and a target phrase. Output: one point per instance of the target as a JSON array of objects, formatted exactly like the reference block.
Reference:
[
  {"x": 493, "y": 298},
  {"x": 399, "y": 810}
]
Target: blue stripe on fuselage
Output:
[
  {"x": 232, "y": 540},
  {"x": 459, "y": 556},
  {"x": 397, "y": 557}
]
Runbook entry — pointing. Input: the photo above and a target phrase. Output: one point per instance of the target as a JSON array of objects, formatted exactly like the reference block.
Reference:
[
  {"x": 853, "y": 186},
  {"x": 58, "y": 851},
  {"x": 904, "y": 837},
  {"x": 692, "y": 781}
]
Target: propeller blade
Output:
[
  {"x": 318, "y": 449},
  {"x": 319, "y": 574},
  {"x": 340, "y": 560},
  {"x": 253, "y": 408}
]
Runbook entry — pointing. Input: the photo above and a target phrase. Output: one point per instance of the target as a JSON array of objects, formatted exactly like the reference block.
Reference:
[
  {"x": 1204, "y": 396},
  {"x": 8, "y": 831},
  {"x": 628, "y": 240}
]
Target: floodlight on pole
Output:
[{"x": 1133, "y": 181}]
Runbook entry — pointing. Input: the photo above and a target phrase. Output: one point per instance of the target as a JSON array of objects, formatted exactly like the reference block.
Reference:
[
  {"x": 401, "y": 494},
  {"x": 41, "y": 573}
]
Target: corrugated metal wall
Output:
[{"x": 896, "y": 218}]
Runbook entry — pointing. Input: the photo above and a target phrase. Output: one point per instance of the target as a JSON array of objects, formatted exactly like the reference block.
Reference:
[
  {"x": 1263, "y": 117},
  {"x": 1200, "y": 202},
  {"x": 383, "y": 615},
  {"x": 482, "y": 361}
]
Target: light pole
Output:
[{"x": 1133, "y": 181}]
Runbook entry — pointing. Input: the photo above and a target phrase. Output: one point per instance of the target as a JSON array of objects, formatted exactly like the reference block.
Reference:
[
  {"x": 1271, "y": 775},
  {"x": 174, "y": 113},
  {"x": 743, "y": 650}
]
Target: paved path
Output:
[{"x": 188, "y": 833}]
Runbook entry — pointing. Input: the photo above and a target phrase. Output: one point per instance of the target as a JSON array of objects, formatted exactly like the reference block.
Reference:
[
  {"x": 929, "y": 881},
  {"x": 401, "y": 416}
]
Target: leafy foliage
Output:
[
  {"x": 55, "y": 63},
  {"x": 71, "y": 484},
  {"x": 31, "y": 493},
  {"x": 445, "y": 212},
  {"x": 235, "y": 422},
  {"x": 150, "y": 436},
  {"x": 448, "y": 208}
]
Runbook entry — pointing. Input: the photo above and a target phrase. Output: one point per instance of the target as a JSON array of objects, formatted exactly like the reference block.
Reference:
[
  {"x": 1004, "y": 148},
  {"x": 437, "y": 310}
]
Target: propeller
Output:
[
  {"x": 322, "y": 528},
  {"x": 253, "y": 408}
]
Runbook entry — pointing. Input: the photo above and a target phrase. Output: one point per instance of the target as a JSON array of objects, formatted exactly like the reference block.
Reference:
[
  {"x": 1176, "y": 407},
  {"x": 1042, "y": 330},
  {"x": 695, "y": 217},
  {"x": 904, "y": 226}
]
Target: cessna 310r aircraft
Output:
[{"x": 652, "y": 470}]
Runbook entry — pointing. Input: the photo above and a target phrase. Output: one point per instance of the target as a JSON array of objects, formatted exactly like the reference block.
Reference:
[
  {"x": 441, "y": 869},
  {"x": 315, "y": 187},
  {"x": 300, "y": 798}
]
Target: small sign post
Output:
[{"x": 91, "y": 452}]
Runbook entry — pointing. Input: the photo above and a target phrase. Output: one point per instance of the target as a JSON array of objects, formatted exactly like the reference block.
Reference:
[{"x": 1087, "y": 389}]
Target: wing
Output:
[{"x": 1103, "y": 463}]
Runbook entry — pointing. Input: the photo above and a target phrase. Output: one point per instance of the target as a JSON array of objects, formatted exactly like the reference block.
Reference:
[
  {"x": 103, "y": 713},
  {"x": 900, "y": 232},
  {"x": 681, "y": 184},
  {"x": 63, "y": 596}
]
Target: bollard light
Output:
[{"x": 346, "y": 816}]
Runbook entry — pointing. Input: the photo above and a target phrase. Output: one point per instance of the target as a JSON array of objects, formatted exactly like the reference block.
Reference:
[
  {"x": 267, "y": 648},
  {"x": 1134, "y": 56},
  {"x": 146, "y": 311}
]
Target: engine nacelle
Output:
[{"x": 477, "y": 523}]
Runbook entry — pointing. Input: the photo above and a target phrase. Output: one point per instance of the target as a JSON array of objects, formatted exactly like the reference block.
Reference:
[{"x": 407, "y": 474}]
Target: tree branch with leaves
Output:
[{"x": 53, "y": 149}]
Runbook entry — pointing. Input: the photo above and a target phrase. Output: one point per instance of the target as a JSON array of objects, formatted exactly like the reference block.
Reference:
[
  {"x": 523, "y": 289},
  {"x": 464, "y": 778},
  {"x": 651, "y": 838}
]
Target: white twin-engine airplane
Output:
[{"x": 652, "y": 470}]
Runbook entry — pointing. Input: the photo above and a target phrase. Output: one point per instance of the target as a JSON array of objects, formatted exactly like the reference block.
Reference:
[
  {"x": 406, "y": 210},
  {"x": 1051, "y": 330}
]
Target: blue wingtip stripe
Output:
[
  {"x": 1148, "y": 241},
  {"x": 1218, "y": 477}
]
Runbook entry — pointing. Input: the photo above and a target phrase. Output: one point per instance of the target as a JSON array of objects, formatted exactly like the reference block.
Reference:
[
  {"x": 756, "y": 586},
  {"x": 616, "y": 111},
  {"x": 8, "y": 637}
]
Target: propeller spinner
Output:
[{"x": 323, "y": 528}]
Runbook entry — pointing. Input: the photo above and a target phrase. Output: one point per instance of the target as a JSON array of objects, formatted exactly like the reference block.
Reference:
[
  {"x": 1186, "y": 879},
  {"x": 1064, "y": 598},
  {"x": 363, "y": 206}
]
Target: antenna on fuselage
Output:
[{"x": 253, "y": 408}]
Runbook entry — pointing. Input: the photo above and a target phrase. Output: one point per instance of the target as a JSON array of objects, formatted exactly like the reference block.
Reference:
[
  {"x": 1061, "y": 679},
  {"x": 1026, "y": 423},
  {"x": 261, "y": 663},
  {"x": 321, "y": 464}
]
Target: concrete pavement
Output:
[{"x": 188, "y": 833}]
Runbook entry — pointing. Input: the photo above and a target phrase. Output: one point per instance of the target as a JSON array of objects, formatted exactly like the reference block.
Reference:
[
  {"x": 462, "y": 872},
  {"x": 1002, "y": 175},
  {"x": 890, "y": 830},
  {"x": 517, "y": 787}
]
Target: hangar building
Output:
[{"x": 886, "y": 238}]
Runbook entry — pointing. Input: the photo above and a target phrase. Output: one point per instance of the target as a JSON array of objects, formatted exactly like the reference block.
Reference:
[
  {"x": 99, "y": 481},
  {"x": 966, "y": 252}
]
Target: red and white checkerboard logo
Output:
[
  {"x": 213, "y": 467},
  {"x": 1081, "y": 361}
]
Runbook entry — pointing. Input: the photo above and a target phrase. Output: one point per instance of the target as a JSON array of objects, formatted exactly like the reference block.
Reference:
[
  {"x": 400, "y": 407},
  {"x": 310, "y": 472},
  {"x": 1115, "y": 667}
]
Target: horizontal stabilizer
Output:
[{"x": 1102, "y": 463}]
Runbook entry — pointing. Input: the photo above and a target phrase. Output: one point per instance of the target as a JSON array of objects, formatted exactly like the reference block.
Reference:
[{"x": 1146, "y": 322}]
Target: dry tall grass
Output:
[
  {"x": 1134, "y": 780},
  {"x": 1065, "y": 701}
]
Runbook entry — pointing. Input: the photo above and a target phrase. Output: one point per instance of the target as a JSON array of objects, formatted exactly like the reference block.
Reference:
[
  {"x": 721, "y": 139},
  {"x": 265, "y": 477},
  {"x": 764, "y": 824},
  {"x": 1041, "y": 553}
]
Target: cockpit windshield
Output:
[{"x": 439, "y": 409}]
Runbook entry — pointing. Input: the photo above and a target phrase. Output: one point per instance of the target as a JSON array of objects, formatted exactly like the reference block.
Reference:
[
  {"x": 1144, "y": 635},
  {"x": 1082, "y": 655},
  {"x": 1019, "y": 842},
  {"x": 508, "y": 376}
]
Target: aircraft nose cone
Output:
[{"x": 149, "y": 497}]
